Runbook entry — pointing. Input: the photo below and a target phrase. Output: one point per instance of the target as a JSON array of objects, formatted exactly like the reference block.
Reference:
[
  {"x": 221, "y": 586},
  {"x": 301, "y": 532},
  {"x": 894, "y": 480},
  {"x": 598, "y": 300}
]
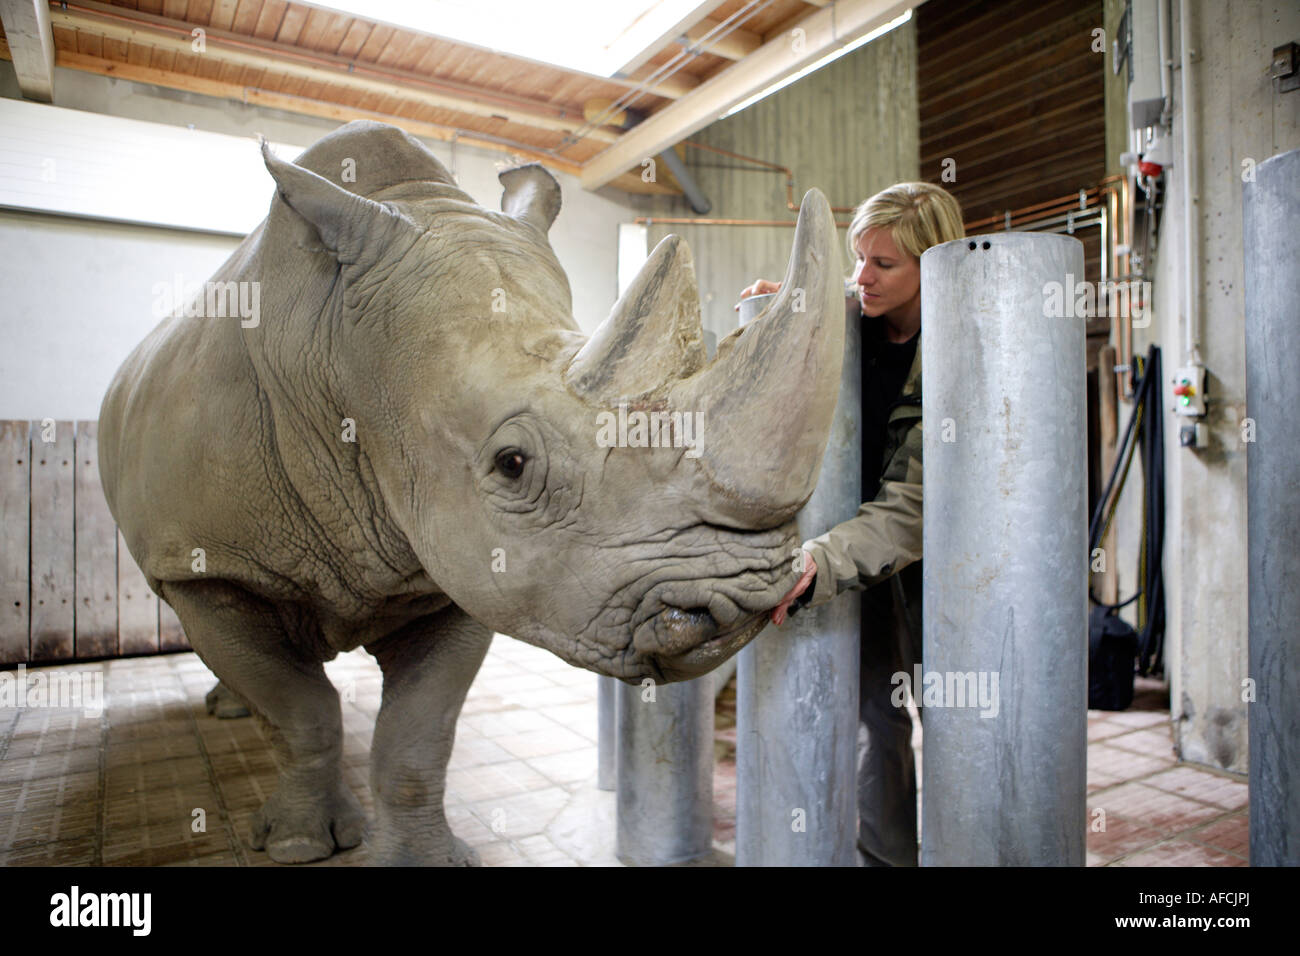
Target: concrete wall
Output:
[
  {"x": 77, "y": 291},
  {"x": 850, "y": 129},
  {"x": 1241, "y": 118}
]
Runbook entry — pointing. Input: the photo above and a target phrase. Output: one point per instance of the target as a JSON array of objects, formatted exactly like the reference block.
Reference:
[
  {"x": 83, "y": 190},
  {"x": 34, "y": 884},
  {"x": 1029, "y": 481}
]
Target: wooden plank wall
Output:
[
  {"x": 1013, "y": 93},
  {"x": 96, "y": 619},
  {"x": 69, "y": 589},
  {"x": 52, "y": 546},
  {"x": 15, "y": 555}
]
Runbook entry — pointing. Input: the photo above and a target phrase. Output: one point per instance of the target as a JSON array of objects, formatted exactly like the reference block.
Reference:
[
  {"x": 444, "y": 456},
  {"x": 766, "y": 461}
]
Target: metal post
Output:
[
  {"x": 1271, "y": 431},
  {"x": 797, "y": 686},
  {"x": 665, "y": 772},
  {"x": 1003, "y": 687},
  {"x": 606, "y": 733}
]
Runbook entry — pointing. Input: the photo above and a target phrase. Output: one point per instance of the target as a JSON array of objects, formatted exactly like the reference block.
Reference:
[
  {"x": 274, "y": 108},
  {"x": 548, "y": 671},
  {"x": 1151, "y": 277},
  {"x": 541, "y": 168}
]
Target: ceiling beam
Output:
[
  {"x": 824, "y": 31},
  {"x": 670, "y": 36},
  {"x": 736, "y": 44},
  {"x": 672, "y": 86},
  {"x": 301, "y": 105},
  {"x": 31, "y": 45},
  {"x": 244, "y": 51}
]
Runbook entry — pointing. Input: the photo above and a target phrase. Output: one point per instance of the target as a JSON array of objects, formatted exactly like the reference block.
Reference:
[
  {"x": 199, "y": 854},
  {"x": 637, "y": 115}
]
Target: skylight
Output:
[{"x": 592, "y": 36}]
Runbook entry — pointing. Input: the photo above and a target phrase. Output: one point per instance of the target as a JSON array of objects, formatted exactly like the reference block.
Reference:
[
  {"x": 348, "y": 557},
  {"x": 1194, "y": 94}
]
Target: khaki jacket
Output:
[{"x": 884, "y": 537}]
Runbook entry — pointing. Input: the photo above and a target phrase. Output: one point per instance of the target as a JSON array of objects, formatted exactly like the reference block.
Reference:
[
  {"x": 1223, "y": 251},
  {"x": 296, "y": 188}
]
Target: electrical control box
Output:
[
  {"x": 1144, "y": 64},
  {"x": 1189, "y": 391}
]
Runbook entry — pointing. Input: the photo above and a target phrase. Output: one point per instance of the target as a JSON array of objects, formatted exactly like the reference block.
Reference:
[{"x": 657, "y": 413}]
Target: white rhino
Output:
[{"x": 475, "y": 487}]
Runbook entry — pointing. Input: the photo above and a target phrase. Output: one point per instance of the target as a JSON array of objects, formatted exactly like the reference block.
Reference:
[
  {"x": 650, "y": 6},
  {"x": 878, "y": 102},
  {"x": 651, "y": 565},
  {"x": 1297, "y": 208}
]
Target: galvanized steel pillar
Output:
[
  {"x": 1003, "y": 687},
  {"x": 797, "y": 686},
  {"x": 665, "y": 772},
  {"x": 1272, "y": 435},
  {"x": 606, "y": 733}
]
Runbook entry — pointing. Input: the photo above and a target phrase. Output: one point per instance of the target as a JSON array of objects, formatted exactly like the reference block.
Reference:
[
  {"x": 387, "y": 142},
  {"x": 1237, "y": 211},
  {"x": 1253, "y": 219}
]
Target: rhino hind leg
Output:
[
  {"x": 225, "y": 704},
  {"x": 428, "y": 667},
  {"x": 312, "y": 813}
]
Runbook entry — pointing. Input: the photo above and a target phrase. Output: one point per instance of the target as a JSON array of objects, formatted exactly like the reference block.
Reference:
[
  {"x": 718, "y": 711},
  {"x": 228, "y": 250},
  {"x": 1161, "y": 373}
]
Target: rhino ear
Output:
[
  {"x": 348, "y": 224},
  {"x": 532, "y": 195}
]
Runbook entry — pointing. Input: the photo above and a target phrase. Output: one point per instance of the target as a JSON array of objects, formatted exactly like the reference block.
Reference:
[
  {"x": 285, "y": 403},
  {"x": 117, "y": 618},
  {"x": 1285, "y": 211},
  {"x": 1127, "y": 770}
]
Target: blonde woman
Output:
[{"x": 878, "y": 551}]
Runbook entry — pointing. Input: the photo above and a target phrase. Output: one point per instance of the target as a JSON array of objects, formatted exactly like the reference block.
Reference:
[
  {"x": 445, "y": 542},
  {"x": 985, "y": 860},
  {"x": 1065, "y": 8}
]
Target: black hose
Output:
[
  {"x": 1151, "y": 639},
  {"x": 1147, "y": 421}
]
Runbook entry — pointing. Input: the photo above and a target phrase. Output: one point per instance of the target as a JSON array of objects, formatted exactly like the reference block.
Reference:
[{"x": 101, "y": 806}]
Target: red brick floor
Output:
[
  {"x": 128, "y": 788},
  {"x": 1145, "y": 808}
]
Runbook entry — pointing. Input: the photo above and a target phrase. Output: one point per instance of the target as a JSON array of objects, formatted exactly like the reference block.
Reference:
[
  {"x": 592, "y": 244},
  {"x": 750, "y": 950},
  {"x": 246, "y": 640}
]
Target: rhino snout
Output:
[
  {"x": 709, "y": 651},
  {"x": 678, "y": 630}
]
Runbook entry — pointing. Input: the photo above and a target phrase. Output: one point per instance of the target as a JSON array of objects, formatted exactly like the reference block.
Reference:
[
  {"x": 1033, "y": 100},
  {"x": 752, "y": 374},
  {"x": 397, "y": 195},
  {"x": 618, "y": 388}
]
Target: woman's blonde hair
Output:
[{"x": 919, "y": 215}]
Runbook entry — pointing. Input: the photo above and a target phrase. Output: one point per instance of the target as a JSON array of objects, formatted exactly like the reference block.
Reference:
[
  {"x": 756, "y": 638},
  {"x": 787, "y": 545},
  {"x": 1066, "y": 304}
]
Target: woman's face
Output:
[{"x": 888, "y": 279}]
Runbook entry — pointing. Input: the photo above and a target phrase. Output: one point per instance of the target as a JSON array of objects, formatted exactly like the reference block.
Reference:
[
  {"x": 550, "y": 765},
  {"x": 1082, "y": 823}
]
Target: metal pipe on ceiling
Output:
[{"x": 679, "y": 60}]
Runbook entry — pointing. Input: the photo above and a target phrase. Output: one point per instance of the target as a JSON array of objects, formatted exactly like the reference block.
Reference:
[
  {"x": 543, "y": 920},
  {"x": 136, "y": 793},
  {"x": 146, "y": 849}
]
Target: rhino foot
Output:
[
  {"x": 225, "y": 703},
  {"x": 303, "y": 834},
  {"x": 425, "y": 853},
  {"x": 463, "y": 854}
]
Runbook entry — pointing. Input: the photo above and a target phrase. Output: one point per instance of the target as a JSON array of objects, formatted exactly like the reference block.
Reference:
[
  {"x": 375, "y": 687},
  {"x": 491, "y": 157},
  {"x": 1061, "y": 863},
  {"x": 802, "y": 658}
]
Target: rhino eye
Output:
[{"x": 510, "y": 462}]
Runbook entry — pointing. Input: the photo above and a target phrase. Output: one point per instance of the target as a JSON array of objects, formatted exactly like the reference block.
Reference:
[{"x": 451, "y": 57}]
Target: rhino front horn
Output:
[{"x": 768, "y": 397}]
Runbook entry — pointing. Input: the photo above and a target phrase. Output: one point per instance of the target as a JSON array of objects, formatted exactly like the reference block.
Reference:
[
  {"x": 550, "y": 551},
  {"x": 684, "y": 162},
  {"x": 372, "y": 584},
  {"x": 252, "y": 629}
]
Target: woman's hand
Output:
[
  {"x": 809, "y": 569},
  {"x": 759, "y": 287}
]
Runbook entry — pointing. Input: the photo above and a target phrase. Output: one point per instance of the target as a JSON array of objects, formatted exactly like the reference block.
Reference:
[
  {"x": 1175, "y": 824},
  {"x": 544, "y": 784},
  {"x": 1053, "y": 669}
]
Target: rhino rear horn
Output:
[
  {"x": 351, "y": 226},
  {"x": 653, "y": 336},
  {"x": 532, "y": 195}
]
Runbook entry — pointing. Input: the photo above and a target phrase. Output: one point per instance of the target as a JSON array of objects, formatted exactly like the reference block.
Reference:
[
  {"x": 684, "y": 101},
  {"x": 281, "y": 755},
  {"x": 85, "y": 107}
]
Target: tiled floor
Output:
[
  {"x": 1147, "y": 809},
  {"x": 156, "y": 781}
]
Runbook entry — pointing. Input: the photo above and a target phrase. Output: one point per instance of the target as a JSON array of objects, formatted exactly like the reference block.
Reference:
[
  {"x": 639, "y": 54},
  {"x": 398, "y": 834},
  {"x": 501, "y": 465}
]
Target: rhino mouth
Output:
[
  {"x": 705, "y": 654},
  {"x": 685, "y": 624}
]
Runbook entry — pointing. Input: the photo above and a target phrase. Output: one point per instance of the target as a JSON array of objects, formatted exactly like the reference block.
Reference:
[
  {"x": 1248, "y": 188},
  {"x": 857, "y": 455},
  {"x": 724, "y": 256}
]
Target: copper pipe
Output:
[
  {"x": 1121, "y": 325},
  {"x": 789, "y": 175},
  {"x": 1118, "y": 232},
  {"x": 1063, "y": 202},
  {"x": 1125, "y": 321},
  {"x": 688, "y": 221}
]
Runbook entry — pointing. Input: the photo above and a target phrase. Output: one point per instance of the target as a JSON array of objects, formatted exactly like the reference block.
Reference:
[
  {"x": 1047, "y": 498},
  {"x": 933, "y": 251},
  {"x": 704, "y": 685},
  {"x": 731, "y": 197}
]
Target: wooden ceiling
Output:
[{"x": 293, "y": 56}]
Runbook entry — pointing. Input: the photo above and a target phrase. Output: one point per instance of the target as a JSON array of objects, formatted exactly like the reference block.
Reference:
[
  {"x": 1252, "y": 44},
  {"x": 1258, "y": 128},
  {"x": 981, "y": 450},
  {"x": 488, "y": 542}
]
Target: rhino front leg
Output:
[
  {"x": 240, "y": 637},
  {"x": 428, "y": 666}
]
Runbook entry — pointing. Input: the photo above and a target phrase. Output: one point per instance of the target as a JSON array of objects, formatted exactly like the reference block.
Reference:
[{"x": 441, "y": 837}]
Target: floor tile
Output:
[
  {"x": 1181, "y": 853},
  {"x": 1196, "y": 784},
  {"x": 1152, "y": 808}
]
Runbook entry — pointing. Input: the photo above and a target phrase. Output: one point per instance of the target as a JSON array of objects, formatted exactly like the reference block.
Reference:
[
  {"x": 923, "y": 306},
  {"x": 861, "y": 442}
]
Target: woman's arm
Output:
[{"x": 885, "y": 535}]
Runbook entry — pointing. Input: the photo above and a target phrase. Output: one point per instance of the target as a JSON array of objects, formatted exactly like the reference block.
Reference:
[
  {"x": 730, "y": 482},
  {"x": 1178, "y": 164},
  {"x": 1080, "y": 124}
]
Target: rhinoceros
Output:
[{"x": 412, "y": 446}]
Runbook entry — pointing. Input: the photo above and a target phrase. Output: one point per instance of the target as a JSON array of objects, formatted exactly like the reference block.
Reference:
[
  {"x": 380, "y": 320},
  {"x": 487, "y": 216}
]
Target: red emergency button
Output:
[{"x": 1184, "y": 388}]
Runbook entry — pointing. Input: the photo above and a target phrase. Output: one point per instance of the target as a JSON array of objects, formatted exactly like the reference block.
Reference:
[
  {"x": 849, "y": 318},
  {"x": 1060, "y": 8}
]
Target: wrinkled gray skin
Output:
[{"x": 445, "y": 332}]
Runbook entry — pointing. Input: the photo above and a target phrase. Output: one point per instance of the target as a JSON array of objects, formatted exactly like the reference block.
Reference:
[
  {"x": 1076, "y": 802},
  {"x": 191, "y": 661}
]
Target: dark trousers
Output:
[{"x": 891, "y": 643}]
